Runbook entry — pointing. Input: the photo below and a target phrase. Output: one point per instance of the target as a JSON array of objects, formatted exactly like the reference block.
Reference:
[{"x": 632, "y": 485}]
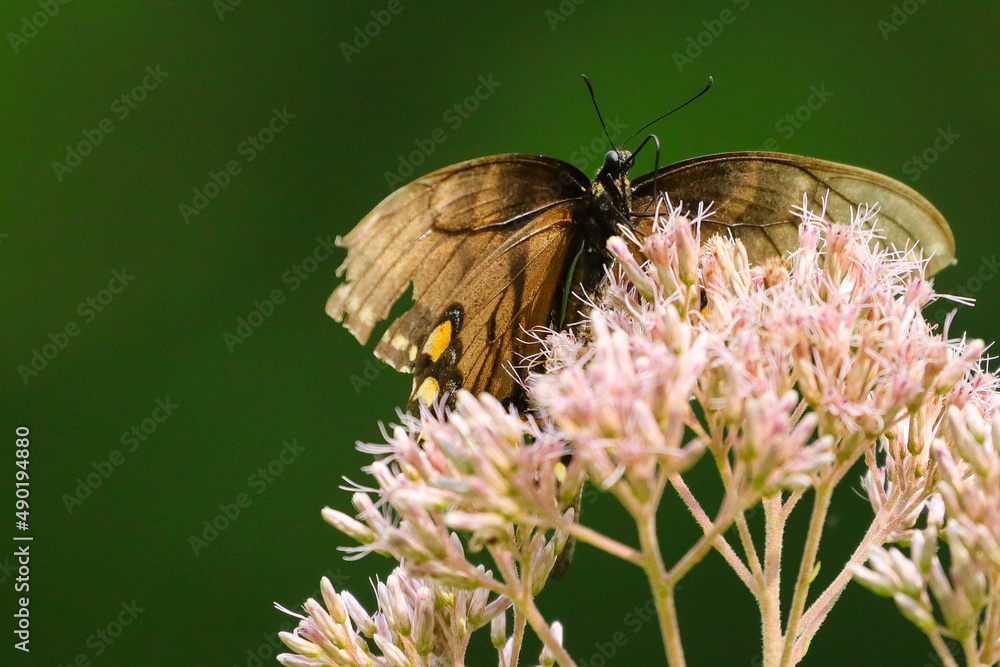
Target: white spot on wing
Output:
[{"x": 367, "y": 316}]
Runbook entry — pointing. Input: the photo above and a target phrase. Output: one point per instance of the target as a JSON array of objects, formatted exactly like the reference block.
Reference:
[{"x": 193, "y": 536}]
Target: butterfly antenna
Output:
[
  {"x": 593, "y": 99},
  {"x": 657, "y": 120}
]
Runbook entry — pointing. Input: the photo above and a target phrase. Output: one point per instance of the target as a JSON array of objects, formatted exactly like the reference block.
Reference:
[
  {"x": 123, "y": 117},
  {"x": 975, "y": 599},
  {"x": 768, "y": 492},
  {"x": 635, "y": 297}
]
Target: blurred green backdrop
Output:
[{"x": 199, "y": 79}]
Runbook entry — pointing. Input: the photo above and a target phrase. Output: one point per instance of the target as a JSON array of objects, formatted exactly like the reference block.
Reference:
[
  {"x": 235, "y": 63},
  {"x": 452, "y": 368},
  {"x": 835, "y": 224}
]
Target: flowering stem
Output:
[
  {"x": 971, "y": 650},
  {"x": 746, "y": 539},
  {"x": 519, "y": 625},
  {"x": 941, "y": 649},
  {"x": 541, "y": 628},
  {"x": 662, "y": 587},
  {"x": 990, "y": 628},
  {"x": 824, "y": 492},
  {"x": 697, "y": 552},
  {"x": 519, "y": 594},
  {"x": 604, "y": 543},
  {"x": 770, "y": 600},
  {"x": 720, "y": 542},
  {"x": 881, "y": 526},
  {"x": 792, "y": 501}
]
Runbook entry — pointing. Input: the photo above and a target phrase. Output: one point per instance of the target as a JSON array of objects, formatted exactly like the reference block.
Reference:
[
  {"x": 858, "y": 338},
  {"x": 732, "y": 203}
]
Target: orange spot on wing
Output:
[
  {"x": 427, "y": 391},
  {"x": 438, "y": 341}
]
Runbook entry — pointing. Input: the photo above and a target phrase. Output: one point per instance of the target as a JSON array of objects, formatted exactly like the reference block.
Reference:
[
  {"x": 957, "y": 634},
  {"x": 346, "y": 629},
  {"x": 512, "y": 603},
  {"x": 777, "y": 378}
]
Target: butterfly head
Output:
[
  {"x": 617, "y": 161},
  {"x": 611, "y": 188}
]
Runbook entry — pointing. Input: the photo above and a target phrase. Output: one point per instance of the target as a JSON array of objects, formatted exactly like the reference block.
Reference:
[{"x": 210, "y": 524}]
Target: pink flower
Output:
[{"x": 785, "y": 373}]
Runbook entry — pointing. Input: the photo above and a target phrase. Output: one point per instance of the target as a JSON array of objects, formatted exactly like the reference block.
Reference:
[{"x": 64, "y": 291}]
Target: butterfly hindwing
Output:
[
  {"x": 471, "y": 344},
  {"x": 752, "y": 191},
  {"x": 482, "y": 241}
]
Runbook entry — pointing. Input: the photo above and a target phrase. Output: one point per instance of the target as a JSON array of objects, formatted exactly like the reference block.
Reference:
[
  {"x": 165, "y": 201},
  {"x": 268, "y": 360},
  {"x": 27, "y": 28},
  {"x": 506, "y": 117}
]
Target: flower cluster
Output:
[
  {"x": 965, "y": 514},
  {"x": 480, "y": 469},
  {"x": 784, "y": 372},
  {"x": 416, "y": 619}
]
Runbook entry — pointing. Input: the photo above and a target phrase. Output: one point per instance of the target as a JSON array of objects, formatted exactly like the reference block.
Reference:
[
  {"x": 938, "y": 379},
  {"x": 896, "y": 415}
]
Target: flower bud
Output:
[
  {"x": 643, "y": 285},
  {"x": 915, "y": 612},
  {"x": 498, "y": 630},
  {"x": 300, "y": 645},
  {"x": 362, "y": 621},
  {"x": 333, "y": 602},
  {"x": 349, "y": 526},
  {"x": 423, "y": 627},
  {"x": 547, "y": 657}
]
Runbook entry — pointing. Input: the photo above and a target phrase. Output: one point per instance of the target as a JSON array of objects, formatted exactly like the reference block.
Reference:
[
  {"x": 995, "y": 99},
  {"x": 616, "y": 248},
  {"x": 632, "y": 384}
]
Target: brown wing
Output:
[
  {"x": 754, "y": 190},
  {"x": 484, "y": 243}
]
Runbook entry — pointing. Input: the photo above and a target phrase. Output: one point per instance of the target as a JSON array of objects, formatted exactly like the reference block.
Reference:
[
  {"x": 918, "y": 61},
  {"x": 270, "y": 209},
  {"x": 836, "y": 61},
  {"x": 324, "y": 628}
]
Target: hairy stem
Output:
[
  {"x": 662, "y": 588},
  {"x": 541, "y": 628},
  {"x": 947, "y": 660},
  {"x": 519, "y": 593},
  {"x": 770, "y": 598},
  {"x": 971, "y": 651},
  {"x": 990, "y": 628},
  {"x": 519, "y": 624},
  {"x": 793, "y": 500},
  {"x": 821, "y": 504},
  {"x": 605, "y": 543},
  {"x": 700, "y": 548},
  {"x": 746, "y": 540},
  {"x": 878, "y": 531},
  {"x": 705, "y": 523}
]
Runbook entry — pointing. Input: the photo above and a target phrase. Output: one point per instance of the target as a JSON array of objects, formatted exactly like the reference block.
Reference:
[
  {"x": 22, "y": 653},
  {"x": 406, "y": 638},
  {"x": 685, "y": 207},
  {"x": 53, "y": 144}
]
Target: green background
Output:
[{"x": 301, "y": 376}]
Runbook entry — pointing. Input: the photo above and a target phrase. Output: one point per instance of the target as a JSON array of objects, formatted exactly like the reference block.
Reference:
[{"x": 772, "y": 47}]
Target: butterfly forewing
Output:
[
  {"x": 755, "y": 192},
  {"x": 479, "y": 241}
]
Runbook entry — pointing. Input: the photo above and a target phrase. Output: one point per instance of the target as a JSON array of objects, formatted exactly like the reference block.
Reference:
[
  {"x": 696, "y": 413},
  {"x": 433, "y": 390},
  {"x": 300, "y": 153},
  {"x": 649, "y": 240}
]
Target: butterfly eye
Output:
[{"x": 611, "y": 160}]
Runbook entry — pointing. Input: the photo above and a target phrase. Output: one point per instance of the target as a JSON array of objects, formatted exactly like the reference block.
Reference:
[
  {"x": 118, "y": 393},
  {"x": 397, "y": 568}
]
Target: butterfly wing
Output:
[
  {"x": 752, "y": 191},
  {"x": 484, "y": 243}
]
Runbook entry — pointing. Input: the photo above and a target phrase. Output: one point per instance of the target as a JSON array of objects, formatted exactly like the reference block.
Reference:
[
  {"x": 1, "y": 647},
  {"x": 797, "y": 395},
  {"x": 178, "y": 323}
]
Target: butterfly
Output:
[{"x": 494, "y": 246}]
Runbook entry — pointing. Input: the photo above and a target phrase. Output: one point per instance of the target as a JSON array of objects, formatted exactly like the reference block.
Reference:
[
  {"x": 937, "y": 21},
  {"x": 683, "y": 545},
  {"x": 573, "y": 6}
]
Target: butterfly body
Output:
[
  {"x": 610, "y": 200},
  {"x": 499, "y": 245}
]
